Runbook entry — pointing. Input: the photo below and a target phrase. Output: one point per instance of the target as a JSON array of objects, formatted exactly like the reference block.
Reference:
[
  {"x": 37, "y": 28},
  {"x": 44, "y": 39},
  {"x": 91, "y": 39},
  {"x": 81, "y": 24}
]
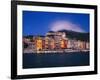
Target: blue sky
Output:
[{"x": 39, "y": 23}]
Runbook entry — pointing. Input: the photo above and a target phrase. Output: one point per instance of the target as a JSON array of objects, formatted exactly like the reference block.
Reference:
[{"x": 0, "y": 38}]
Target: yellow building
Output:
[{"x": 39, "y": 44}]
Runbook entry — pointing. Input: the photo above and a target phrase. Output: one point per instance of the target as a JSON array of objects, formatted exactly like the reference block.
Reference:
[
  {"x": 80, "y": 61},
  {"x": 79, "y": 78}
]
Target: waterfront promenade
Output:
[{"x": 55, "y": 51}]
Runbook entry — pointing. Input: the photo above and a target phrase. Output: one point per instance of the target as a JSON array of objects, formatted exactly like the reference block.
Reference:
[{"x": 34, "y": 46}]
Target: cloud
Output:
[{"x": 66, "y": 25}]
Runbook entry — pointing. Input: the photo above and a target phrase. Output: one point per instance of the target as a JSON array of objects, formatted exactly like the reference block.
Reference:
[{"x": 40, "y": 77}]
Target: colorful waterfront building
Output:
[
  {"x": 39, "y": 44},
  {"x": 46, "y": 43},
  {"x": 52, "y": 44},
  {"x": 87, "y": 45},
  {"x": 56, "y": 41},
  {"x": 63, "y": 44}
]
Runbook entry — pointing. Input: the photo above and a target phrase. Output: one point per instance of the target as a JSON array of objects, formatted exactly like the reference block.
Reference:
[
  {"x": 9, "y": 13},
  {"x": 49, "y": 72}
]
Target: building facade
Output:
[{"x": 56, "y": 41}]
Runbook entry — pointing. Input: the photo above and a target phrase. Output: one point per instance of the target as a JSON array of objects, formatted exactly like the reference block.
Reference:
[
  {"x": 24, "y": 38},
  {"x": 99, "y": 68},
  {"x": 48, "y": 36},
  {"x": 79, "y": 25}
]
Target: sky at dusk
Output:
[{"x": 39, "y": 23}]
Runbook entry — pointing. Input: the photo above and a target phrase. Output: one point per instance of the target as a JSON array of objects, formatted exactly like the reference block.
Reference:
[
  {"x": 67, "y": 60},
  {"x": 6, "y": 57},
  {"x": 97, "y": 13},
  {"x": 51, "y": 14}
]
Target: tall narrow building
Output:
[{"x": 39, "y": 44}]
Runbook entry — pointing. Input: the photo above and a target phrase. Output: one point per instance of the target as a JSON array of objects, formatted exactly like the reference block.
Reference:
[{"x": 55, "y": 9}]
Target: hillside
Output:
[{"x": 76, "y": 35}]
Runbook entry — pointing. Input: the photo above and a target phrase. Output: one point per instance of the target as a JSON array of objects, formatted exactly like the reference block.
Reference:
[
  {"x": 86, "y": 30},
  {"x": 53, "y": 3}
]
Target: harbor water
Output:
[{"x": 45, "y": 60}]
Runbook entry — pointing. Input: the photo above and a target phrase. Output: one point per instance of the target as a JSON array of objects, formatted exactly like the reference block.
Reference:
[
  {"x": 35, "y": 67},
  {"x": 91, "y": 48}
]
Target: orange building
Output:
[
  {"x": 63, "y": 44},
  {"x": 66, "y": 43}
]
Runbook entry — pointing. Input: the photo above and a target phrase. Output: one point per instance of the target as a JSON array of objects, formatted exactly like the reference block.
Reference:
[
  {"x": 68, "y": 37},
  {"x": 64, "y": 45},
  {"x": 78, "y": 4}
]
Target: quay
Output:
[{"x": 55, "y": 51}]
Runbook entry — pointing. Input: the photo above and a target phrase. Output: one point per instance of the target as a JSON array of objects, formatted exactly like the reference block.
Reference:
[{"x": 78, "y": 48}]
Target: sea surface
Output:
[{"x": 44, "y": 60}]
